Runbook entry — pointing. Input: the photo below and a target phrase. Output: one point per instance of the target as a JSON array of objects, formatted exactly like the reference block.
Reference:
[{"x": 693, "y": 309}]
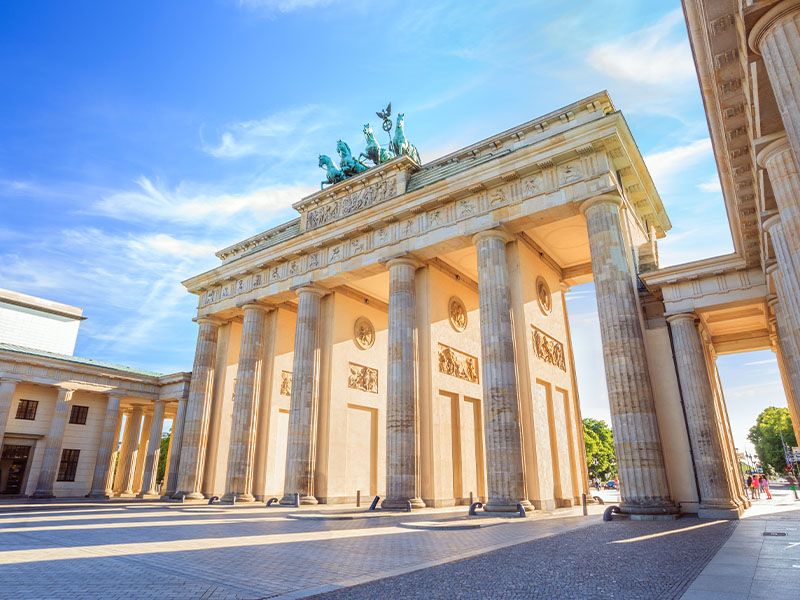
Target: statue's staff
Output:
[{"x": 387, "y": 122}]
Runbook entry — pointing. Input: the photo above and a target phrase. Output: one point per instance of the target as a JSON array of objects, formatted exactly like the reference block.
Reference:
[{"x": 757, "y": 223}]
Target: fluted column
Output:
[
  {"x": 787, "y": 365},
  {"x": 776, "y": 36},
  {"x": 501, "y": 413},
  {"x": 643, "y": 477},
  {"x": 241, "y": 457},
  {"x": 784, "y": 231},
  {"x": 7, "y": 388},
  {"x": 101, "y": 484},
  {"x": 300, "y": 447},
  {"x": 52, "y": 448},
  {"x": 175, "y": 443},
  {"x": 402, "y": 418},
  {"x": 127, "y": 453},
  {"x": 786, "y": 342},
  {"x": 701, "y": 419},
  {"x": 150, "y": 472},
  {"x": 195, "y": 428}
]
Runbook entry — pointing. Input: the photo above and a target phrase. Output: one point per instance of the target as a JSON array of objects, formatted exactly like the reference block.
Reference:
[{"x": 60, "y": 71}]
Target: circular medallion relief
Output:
[
  {"x": 363, "y": 333},
  {"x": 458, "y": 313},
  {"x": 544, "y": 296}
]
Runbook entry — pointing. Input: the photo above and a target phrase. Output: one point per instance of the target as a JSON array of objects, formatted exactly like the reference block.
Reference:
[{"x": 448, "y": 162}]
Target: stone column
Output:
[
  {"x": 195, "y": 429},
  {"x": 300, "y": 448},
  {"x": 241, "y": 456},
  {"x": 52, "y": 448},
  {"x": 776, "y": 36},
  {"x": 781, "y": 234},
  {"x": 265, "y": 403},
  {"x": 402, "y": 418},
  {"x": 643, "y": 477},
  {"x": 784, "y": 354},
  {"x": 786, "y": 343},
  {"x": 175, "y": 443},
  {"x": 701, "y": 419},
  {"x": 127, "y": 453},
  {"x": 7, "y": 388},
  {"x": 150, "y": 471},
  {"x": 501, "y": 414},
  {"x": 101, "y": 481}
]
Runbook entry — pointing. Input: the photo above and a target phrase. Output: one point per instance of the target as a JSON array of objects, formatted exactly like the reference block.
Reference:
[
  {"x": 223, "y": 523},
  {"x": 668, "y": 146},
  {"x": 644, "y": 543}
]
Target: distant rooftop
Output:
[
  {"x": 32, "y": 302},
  {"x": 76, "y": 360}
]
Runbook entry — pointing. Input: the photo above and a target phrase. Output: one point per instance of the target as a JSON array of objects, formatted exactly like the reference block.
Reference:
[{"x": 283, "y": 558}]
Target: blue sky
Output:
[{"x": 137, "y": 138}]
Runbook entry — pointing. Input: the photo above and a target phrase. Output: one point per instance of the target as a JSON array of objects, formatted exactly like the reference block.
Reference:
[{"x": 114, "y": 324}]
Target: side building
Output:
[{"x": 61, "y": 416}]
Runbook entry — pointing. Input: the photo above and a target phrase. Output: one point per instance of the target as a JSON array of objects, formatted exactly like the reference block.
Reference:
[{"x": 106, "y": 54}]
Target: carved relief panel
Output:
[
  {"x": 363, "y": 378},
  {"x": 286, "y": 383},
  {"x": 548, "y": 349},
  {"x": 363, "y": 333},
  {"x": 458, "y": 364},
  {"x": 458, "y": 313}
]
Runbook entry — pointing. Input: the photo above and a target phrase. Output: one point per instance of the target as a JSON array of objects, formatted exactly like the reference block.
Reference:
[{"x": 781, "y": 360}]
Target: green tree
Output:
[
  {"x": 601, "y": 461},
  {"x": 162, "y": 458},
  {"x": 766, "y": 437}
]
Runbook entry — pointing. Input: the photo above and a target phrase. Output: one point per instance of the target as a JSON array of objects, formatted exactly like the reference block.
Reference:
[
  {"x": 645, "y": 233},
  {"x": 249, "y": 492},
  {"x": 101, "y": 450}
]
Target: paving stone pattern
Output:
[{"x": 603, "y": 561}]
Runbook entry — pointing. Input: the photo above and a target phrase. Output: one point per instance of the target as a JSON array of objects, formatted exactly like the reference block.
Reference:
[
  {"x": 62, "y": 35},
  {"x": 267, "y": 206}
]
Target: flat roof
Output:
[
  {"x": 76, "y": 360},
  {"x": 41, "y": 304}
]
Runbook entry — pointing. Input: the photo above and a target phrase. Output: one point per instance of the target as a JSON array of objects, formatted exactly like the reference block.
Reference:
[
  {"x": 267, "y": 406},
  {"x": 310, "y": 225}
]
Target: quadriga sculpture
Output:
[
  {"x": 400, "y": 144},
  {"x": 332, "y": 174},
  {"x": 347, "y": 164},
  {"x": 373, "y": 151}
]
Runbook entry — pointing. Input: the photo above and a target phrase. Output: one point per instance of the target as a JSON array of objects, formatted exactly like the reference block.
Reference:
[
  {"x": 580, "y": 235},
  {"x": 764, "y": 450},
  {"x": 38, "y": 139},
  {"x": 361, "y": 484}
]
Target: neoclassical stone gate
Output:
[{"x": 407, "y": 335}]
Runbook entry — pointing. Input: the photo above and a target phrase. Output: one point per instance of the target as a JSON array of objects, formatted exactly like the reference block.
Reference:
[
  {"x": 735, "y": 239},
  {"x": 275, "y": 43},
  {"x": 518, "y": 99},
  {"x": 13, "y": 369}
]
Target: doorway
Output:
[{"x": 13, "y": 469}]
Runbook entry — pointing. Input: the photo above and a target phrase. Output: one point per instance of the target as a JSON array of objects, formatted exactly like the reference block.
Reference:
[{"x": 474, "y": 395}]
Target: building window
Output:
[
  {"x": 68, "y": 466},
  {"x": 78, "y": 415},
  {"x": 26, "y": 409}
]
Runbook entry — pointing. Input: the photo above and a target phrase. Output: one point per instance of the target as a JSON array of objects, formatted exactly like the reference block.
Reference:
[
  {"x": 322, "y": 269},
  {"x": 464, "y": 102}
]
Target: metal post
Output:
[
  {"x": 583, "y": 503},
  {"x": 358, "y": 498}
]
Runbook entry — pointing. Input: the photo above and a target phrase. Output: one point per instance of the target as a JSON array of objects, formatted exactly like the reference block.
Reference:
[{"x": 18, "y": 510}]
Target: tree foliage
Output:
[
  {"x": 601, "y": 461},
  {"x": 162, "y": 457},
  {"x": 766, "y": 437}
]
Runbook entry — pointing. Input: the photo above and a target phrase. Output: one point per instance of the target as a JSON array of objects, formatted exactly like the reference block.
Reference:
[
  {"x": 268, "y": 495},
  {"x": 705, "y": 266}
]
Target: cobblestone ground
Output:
[
  {"x": 619, "y": 560},
  {"x": 141, "y": 551}
]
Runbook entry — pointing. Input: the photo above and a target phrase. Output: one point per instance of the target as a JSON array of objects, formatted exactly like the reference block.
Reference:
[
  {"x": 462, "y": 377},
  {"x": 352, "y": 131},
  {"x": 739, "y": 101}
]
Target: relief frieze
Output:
[
  {"x": 458, "y": 364},
  {"x": 286, "y": 383},
  {"x": 548, "y": 349},
  {"x": 364, "y": 379},
  {"x": 351, "y": 204}
]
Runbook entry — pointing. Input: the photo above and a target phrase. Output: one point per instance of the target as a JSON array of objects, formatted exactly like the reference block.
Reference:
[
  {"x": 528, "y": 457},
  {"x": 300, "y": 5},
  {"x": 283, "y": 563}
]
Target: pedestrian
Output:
[
  {"x": 765, "y": 486},
  {"x": 749, "y": 486},
  {"x": 754, "y": 488}
]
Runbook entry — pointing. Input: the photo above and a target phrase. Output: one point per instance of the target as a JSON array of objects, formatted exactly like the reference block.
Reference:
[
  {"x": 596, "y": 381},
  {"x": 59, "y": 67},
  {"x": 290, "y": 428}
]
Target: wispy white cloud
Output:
[
  {"x": 650, "y": 56},
  {"x": 711, "y": 185},
  {"x": 281, "y": 6},
  {"x": 197, "y": 204},
  {"x": 282, "y": 134},
  {"x": 666, "y": 164}
]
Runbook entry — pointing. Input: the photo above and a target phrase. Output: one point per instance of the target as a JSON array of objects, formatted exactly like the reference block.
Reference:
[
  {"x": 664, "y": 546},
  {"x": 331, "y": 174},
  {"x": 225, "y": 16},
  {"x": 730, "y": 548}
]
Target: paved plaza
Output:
[{"x": 157, "y": 550}]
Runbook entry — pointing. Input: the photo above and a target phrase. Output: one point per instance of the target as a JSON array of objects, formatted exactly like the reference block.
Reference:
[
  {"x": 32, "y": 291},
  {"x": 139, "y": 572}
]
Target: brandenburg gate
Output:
[{"x": 407, "y": 335}]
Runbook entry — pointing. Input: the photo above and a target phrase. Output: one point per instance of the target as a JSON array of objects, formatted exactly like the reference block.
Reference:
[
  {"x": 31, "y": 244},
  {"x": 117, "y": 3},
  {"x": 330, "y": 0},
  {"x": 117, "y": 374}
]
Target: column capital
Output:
[
  {"x": 310, "y": 288},
  {"x": 65, "y": 393},
  {"x": 5, "y": 379},
  {"x": 772, "y": 268},
  {"x": 255, "y": 306},
  {"x": 686, "y": 316},
  {"x": 602, "y": 199},
  {"x": 493, "y": 233},
  {"x": 403, "y": 260},
  {"x": 770, "y": 19},
  {"x": 208, "y": 319},
  {"x": 777, "y": 146},
  {"x": 770, "y": 223}
]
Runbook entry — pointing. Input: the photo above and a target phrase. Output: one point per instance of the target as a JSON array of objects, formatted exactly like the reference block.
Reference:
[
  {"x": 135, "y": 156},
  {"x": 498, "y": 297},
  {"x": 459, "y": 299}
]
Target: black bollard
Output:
[
  {"x": 297, "y": 499},
  {"x": 521, "y": 509},
  {"x": 358, "y": 498},
  {"x": 473, "y": 507},
  {"x": 374, "y": 504},
  {"x": 213, "y": 500},
  {"x": 608, "y": 515},
  {"x": 583, "y": 503},
  {"x": 271, "y": 501}
]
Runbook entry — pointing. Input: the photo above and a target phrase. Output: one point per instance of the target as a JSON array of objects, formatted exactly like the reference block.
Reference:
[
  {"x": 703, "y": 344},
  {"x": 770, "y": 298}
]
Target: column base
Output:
[
  {"x": 652, "y": 512},
  {"x": 229, "y": 498},
  {"x": 499, "y": 507},
  {"x": 42, "y": 495},
  {"x": 401, "y": 504},
  {"x": 720, "y": 512},
  {"x": 128, "y": 495},
  {"x": 304, "y": 500},
  {"x": 149, "y": 496},
  {"x": 99, "y": 495},
  {"x": 189, "y": 496}
]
